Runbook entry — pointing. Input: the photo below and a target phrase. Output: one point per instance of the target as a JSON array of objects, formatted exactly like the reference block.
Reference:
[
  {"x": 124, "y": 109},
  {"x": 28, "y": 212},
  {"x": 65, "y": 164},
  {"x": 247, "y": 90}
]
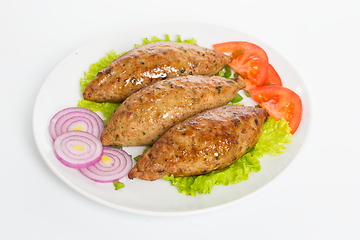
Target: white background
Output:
[{"x": 318, "y": 197}]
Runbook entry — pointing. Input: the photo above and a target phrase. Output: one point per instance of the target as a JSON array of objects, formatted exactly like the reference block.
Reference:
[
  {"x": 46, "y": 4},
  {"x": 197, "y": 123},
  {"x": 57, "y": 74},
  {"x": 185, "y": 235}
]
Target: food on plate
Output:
[
  {"x": 75, "y": 119},
  {"x": 150, "y": 63},
  {"x": 273, "y": 78},
  {"x": 247, "y": 59},
  {"x": 211, "y": 140},
  {"x": 275, "y": 133},
  {"x": 96, "y": 67},
  {"x": 115, "y": 163},
  {"x": 78, "y": 149},
  {"x": 118, "y": 185},
  {"x": 76, "y": 134},
  {"x": 263, "y": 82},
  {"x": 273, "y": 141},
  {"x": 147, "y": 114},
  {"x": 280, "y": 102}
]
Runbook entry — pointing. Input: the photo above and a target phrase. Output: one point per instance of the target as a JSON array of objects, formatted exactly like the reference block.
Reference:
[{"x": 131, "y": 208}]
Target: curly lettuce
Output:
[
  {"x": 106, "y": 108},
  {"x": 166, "y": 39},
  {"x": 273, "y": 140}
]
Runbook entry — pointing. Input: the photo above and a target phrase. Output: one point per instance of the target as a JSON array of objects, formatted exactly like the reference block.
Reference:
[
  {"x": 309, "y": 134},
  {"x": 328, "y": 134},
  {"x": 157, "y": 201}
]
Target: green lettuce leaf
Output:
[
  {"x": 166, "y": 39},
  {"x": 273, "y": 140},
  {"x": 106, "y": 108}
]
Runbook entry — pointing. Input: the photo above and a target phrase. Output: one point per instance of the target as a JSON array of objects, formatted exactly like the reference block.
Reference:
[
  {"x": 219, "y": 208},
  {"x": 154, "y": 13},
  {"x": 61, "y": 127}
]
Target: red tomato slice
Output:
[
  {"x": 248, "y": 59},
  {"x": 249, "y": 85},
  {"x": 273, "y": 78},
  {"x": 279, "y": 102}
]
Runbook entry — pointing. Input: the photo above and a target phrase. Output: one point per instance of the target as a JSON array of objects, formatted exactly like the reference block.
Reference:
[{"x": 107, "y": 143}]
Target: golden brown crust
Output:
[
  {"x": 208, "y": 141},
  {"x": 147, "y": 114},
  {"x": 150, "y": 63}
]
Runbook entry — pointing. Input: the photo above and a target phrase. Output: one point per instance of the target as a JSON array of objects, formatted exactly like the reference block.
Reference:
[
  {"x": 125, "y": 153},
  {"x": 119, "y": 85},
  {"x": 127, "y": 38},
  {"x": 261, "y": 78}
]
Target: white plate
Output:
[{"x": 61, "y": 89}]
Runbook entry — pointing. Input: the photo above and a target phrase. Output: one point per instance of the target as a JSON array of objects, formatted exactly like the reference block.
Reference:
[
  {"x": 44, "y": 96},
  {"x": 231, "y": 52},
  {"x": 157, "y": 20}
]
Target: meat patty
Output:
[
  {"x": 209, "y": 141},
  {"x": 147, "y": 114},
  {"x": 150, "y": 63}
]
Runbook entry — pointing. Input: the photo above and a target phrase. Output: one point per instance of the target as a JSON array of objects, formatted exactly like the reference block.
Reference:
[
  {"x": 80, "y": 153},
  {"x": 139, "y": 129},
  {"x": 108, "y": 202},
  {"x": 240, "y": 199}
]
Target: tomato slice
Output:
[
  {"x": 273, "y": 78},
  {"x": 248, "y": 59},
  {"x": 279, "y": 102}
]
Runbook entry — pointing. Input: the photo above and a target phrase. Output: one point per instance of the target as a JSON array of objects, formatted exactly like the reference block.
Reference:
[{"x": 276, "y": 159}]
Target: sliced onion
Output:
[
  {"x": 115, "y": 164},
  {"x": 77, "y": 149},
  {"x": 75, "y": 119}
]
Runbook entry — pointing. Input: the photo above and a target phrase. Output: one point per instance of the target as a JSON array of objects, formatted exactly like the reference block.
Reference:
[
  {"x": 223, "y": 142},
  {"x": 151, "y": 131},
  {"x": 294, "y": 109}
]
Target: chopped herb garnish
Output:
[
  {"x": 237, "y": 98},
  {"x": 118, "y": 185},
  {"x": 227, "y": 73},
  {"x": 137, "y": 157}
]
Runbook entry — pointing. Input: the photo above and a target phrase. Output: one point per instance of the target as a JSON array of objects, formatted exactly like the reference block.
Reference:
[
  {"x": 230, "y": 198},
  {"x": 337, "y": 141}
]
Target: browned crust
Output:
[
  {"x": 147, "y": 114},
  {"x": 209, "y": 141},
  {"x": 150, "y": 63}
]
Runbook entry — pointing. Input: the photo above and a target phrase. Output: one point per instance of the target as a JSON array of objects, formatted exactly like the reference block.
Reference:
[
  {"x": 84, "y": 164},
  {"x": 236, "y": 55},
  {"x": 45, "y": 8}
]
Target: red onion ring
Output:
[
  {"x": 77, "y": 149},
  {"x": 75, "y": 119},
  {"x": 120, "y": 163}
]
